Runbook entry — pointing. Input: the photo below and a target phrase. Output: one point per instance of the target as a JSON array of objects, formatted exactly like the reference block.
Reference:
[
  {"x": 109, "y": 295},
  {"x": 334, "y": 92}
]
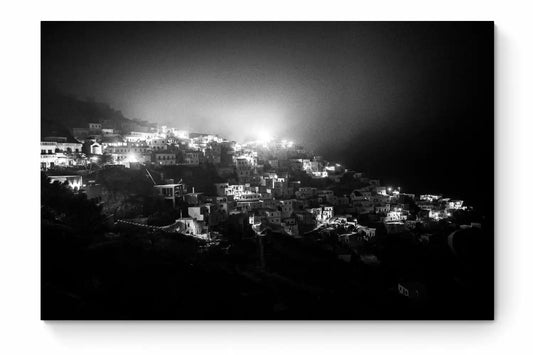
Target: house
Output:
[
  {"x": 305, "y": 217},
  {"x": 190, "y": 226},
  {"x": 107, "y": 132},
  {"x": 266, "y": 215},
  {"x": 382, "y": 208},
  {"x": 171, "y": 192},
  {"x": 48, "y": 147},
  {"x": 305, "y": 192},
  {"x": 157, "y": 144},
  {"x": 247, "y": 206},
  {"x": 194, "y": 198},
  {"x": 438, "y": 214},
  {"x": 454, "y": 204},
  {"x": 200, "y": 213},
  {"x": 326, "y": 195},
  {"x": 322, "y": 213},
  {"x": 212, "y": 154},
  {"x": 247, "y": 196},
  {"x": 234, "y": 190},
  {"x": 51, "y": 161},
  {"x": 54, "y": 153},
  {"x": 164, "y": 158},
  {"x": 225, "y": 205},
  {"x": 273, "y": 216},
  {"x": 191, "y": 157},
  {"x": 138, "y": 148},
  {"x": 48, "y": 161},
  {"x": 95, "y": 128},
  {"x": 394, "y": 216},
  {"x": 112, "y": 141},
  {"x": 136, "y": 136},
  {"x": 286, "y": 207},
  {"x": 92, "y": 147},
  {"x": 430, "y": 198},
  {"x": 327, "y": 212},
  {"x": 255, "y": 219},
  {"x": 67, "y": 145},
  {"x": 128, "y": 152}
]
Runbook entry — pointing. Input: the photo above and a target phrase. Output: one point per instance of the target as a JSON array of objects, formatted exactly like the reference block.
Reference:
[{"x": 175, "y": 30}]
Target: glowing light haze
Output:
[
  {"x": 367, "y": 94},
  {"x": 237, "y": 78}
]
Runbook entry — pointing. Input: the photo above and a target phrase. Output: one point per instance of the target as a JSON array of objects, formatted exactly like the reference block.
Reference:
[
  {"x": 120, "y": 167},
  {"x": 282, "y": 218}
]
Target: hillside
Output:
[{"x": 61, "y": 112}]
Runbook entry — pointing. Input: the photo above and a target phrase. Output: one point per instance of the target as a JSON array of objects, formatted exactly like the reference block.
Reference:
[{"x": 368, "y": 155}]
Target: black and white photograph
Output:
[
  {"x": 267, "y": 170},
  {"x": 288, "y": 177}
]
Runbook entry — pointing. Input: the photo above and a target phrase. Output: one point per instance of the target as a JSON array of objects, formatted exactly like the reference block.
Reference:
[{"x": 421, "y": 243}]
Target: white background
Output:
[{"x": 23, "y": 333}]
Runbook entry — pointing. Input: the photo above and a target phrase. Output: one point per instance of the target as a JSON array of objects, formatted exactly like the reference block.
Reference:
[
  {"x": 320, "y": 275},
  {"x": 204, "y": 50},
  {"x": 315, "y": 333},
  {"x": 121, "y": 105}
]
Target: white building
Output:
[
  {"x": 63, "y": 144},
  {"x": 192, "y": 158},
  {"x": 92, "y": 147},
  {"x": 164, "y": 158},
  {"x": 157, "y": 144},
  {"x": 140, "y": 136}
]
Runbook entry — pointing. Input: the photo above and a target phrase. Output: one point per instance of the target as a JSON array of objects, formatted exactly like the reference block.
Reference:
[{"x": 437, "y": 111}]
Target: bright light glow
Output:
[
  {"x": 132, "y": 158},
  {"x": 182, "y": 134},
  {"x": 264, "y": 136}
]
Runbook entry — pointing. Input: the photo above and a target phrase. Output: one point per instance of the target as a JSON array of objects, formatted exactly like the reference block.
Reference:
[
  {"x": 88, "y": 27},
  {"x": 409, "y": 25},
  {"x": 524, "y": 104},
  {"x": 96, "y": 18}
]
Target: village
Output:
[{"x": 252, "y": 188}]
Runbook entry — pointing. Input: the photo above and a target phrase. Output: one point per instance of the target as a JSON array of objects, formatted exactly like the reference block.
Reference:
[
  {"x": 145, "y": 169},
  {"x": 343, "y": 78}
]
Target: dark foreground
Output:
[{"x": 145, "y": 275}]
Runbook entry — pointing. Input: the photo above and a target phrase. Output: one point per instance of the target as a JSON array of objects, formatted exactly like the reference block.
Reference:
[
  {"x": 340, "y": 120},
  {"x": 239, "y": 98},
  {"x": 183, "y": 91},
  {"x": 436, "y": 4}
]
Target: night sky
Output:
[{"x": 409, "y": 102}]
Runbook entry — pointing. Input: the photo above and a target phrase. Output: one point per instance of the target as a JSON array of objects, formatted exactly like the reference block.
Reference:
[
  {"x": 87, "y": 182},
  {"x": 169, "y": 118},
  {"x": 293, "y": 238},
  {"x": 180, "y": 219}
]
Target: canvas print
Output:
[{"x": 267, "y": 170}]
